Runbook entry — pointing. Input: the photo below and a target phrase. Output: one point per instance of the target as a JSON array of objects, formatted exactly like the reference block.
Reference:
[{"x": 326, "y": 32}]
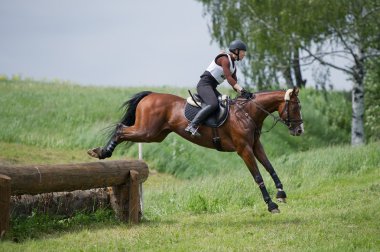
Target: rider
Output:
[{"x": 221, "y": 68}]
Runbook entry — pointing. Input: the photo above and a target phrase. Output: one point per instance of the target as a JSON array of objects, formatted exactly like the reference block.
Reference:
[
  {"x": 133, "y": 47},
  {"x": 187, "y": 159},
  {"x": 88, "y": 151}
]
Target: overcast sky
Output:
[{"x": 118, "y": 43}]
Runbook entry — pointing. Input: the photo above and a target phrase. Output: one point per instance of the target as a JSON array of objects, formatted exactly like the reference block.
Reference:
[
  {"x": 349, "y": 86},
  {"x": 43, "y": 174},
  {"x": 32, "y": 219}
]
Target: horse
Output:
[{"x": 150, "y": 117}]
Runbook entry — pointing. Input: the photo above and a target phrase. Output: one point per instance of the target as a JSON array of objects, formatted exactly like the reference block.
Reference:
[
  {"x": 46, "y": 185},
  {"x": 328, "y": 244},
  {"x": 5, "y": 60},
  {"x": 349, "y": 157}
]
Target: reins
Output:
[{"x": 276, "y": 119}]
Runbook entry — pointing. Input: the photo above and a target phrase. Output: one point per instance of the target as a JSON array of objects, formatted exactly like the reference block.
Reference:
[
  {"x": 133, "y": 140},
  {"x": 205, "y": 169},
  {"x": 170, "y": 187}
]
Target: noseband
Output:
[{"x": 289, "y": 122}]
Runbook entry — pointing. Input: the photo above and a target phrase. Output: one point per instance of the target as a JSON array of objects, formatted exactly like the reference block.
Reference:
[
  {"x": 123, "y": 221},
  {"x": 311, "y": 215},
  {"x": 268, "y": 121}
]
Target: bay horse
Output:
[{"x": 150, "y": 117}]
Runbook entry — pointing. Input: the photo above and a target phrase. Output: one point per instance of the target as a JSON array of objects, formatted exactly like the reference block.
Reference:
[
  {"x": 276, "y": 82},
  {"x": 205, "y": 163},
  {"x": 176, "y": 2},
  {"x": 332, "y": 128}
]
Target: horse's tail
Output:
[{"x": 130, "y": 106}]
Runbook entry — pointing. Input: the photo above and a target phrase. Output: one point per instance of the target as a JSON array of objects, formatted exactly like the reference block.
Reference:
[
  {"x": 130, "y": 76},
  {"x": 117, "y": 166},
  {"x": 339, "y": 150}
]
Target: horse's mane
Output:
[{"x": 268, "y": 91}]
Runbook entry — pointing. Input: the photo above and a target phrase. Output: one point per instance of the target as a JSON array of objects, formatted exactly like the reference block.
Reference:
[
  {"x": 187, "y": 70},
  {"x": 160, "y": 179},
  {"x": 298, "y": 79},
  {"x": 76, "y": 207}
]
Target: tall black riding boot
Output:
[{"x": 198, "y": 119}]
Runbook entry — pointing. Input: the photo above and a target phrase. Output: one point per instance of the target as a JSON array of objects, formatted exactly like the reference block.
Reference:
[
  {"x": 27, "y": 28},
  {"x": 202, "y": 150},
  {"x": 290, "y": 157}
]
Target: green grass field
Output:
[{"x": 191, "y": 205}]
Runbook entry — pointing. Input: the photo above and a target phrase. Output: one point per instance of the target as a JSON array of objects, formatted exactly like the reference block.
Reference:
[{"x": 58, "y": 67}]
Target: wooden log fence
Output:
[{"x": 124, "y": 176}]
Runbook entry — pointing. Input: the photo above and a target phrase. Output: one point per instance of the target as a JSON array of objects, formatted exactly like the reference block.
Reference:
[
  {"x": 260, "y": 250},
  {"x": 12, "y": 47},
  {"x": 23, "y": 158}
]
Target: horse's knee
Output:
[{"x": 259, "y": 180}]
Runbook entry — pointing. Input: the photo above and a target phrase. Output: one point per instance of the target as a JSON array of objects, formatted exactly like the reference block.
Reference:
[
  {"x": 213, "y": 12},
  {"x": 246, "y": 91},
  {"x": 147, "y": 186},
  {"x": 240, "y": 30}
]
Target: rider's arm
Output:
[{"x": 230, "y": 77}]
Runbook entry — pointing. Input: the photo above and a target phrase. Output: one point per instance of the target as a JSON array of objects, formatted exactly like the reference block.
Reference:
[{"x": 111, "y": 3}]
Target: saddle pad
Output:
[{"x": 214, "y": 121}]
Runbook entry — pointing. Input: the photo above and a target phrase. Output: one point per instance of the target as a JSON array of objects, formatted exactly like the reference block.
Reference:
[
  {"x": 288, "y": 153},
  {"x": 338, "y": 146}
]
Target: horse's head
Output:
[{"x": 290, "y": 112}]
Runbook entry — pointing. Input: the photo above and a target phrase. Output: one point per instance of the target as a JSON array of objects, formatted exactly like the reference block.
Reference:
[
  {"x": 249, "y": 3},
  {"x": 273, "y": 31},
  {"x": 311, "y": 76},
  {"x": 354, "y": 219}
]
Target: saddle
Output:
[{"x": 194, "y": 103}]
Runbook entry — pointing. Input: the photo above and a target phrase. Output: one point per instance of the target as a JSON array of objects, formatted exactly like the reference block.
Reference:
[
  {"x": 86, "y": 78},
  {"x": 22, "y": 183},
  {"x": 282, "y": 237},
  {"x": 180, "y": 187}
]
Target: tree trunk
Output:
[
  {"x": 297, "y": 70},
  {"x": 357, "y": 129},
  {"x": 287, "y": 74},
  {"x": 358, "y": 107}
]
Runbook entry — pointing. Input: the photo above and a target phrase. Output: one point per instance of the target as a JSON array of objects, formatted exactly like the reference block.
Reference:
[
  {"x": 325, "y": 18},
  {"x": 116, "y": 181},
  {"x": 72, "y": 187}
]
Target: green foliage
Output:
[
  {"x": 372, "y": 101},
  {"x": 281, "y": 35}
]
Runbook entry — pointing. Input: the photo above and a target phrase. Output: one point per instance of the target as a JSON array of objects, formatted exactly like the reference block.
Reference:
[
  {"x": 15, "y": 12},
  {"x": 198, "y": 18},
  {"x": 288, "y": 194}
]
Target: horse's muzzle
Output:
[{"x": 297, "y": 131}]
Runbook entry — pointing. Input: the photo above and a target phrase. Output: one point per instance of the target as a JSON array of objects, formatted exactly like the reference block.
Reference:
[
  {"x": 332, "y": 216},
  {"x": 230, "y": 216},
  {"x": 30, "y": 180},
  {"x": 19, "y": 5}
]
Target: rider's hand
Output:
[{"x": 246, "y": 94}]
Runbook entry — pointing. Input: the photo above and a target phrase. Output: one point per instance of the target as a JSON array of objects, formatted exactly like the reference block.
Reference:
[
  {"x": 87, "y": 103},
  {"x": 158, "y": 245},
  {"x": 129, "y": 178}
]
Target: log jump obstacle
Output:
[{"x": 125, "y": 177}]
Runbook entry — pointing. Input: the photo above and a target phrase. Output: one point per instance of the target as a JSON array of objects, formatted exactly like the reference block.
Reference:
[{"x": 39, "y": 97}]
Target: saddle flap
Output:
[
  {"x": 215, "y": 120},
  {"x": 196, "y": 101}
]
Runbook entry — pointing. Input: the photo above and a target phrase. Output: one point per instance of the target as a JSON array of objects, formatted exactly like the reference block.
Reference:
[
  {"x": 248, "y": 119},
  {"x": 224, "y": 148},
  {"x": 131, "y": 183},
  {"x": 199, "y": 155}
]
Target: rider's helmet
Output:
[{"x": 237, "y": 44}]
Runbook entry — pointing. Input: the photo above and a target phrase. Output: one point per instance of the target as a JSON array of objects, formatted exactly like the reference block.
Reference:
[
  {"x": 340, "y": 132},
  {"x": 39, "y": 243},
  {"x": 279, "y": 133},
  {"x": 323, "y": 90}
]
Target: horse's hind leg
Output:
[
  {"x": 106, "y": 151},
  {"x": 127, "y": 134},
  {"x": 263, "y": 159},
  {"x": 137, "y": 133}
]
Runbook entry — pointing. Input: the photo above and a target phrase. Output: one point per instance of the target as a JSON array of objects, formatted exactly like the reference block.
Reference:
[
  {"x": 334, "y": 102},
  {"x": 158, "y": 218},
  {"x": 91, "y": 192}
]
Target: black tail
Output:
[
  {"x": 129, "y": 116},
  {"x": 130, "y": 108}
]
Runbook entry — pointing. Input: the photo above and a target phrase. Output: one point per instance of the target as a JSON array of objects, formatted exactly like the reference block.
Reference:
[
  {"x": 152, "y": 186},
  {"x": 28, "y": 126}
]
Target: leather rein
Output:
[{"x": 288, "y": 122}]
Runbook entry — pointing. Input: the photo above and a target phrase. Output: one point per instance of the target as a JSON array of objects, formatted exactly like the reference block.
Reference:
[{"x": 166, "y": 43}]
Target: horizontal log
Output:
[
  {"x": 35, "y": 179},
  {"x": 60, "y": 203}
]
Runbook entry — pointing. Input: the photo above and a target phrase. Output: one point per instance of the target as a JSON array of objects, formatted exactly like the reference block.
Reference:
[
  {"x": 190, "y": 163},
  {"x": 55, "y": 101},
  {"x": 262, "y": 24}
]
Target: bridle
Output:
[{"x": 289, "y": 122}]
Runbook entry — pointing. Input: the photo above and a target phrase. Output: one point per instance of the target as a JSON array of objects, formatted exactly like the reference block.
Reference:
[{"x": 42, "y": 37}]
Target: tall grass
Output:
[
  {"x": 332, "y": 206},
  {"x": 304, "y": 172}
]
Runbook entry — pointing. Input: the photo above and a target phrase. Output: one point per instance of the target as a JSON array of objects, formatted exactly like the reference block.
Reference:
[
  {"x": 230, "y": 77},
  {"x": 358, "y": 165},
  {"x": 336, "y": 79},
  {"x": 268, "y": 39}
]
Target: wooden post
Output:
[
  {"x": 125, "y": 199},
  {"x": 134, "y": 197},
  {"x": 141, "y": 186},
  {"x": 119, "y": 201},
  {"x": 5, "y": 198},
  {"x": 124, "y": 176}
]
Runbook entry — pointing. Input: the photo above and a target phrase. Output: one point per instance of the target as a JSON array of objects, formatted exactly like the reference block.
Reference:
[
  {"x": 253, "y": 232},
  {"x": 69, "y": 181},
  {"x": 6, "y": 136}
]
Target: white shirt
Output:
[{"x": 217, "y": 71}]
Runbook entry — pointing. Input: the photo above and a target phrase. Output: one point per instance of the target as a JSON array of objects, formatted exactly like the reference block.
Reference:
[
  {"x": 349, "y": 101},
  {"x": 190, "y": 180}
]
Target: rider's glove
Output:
[{"x": 246, "y": 94}]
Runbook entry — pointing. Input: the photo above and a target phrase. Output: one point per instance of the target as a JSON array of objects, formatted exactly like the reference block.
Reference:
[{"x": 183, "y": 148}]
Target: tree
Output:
[
  {"x": 278, "y": 32},
  {"x": 354, "y": 36}
]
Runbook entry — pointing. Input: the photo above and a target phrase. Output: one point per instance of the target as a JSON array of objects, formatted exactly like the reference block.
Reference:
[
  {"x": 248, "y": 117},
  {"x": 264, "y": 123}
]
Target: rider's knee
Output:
[{"x": 214, "y": 105}]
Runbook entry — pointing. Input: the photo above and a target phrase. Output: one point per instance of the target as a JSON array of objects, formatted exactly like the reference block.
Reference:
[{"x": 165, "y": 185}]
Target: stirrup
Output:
[{"x": 192, "y": 130}]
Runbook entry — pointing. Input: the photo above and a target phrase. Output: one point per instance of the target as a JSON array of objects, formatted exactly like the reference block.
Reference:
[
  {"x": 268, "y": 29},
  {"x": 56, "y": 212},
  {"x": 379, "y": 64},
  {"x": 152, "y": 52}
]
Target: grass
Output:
[
  {"x": 333, "y": 189},
  {"x": 335, "y": 208}
]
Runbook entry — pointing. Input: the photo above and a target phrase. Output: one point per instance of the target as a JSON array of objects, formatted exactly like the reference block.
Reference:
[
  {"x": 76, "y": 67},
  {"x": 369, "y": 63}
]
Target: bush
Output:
[{"x": 372, "y": 102}]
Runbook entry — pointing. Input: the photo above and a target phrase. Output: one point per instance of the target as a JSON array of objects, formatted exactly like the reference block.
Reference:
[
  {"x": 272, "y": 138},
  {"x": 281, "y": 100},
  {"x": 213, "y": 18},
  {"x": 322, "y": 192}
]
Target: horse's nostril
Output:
[{"x": 299, "y": 131}]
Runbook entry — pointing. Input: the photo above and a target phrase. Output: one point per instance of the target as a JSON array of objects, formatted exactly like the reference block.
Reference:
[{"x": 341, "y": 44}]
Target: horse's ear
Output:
[{"x": 295, "y": 91}]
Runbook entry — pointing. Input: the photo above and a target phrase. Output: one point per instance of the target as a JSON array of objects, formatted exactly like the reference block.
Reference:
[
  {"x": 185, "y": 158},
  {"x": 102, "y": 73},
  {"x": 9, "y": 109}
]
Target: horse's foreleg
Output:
[
  {"x": 263, "y": 159},
  {"x": 247, "y": 155}
]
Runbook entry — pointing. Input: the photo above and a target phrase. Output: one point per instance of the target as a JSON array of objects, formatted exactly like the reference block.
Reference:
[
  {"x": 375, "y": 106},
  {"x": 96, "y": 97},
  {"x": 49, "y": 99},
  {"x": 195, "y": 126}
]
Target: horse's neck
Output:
[{"x": 268, "y": 101}]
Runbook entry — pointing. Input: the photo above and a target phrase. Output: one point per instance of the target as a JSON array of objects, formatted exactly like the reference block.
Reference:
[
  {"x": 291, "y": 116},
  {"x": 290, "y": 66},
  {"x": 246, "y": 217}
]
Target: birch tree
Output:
[{"x": 278, "y": 32}]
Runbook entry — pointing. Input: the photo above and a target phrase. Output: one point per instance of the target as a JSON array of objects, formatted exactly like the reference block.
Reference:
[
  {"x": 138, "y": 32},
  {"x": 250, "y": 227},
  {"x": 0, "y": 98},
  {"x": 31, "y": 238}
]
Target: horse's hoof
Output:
[
  {"x": 274, "y": 211},
  {"x": 281, "y": 200},
  {"x": 95, "y": 153},
  {"x": 273, "y": 207}
]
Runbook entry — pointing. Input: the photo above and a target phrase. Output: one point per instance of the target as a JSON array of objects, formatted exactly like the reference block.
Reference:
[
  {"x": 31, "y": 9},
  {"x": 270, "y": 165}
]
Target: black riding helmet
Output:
[{"x": 237, "y": 45}]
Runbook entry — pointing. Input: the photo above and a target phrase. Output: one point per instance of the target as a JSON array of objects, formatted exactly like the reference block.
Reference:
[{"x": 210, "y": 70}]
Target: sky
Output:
[{"x": 109, "y": 43}]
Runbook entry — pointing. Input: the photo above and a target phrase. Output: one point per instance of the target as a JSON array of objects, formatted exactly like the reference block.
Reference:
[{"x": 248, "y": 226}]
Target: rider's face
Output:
[{"x": 241, "y": 54}]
